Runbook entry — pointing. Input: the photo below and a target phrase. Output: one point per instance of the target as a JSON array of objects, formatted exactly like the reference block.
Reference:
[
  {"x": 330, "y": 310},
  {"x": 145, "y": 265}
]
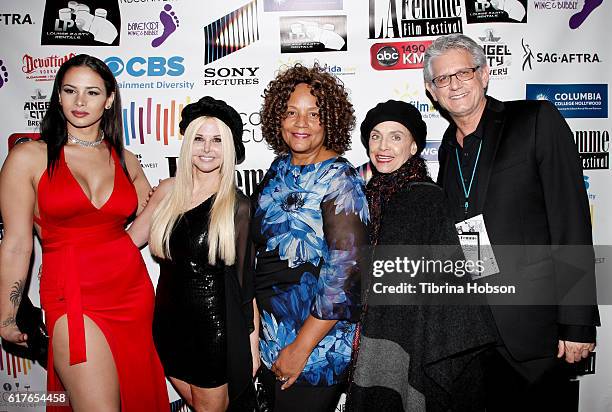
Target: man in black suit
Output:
[{"x": 516, "y": 164}]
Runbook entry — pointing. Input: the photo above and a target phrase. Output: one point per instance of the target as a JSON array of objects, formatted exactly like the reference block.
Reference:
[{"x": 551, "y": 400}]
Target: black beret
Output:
[
  {"x": 211, "y": 107},
  {"x": 395, "y": 111}
]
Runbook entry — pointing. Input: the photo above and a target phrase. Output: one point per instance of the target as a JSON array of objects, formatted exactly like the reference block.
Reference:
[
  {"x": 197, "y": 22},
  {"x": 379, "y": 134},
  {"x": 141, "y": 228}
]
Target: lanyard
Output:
[{"x": 466, "y": 192}]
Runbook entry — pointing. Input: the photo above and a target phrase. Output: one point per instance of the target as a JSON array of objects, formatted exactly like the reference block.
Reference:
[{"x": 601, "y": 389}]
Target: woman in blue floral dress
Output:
[{"x": 309, "y": 224}]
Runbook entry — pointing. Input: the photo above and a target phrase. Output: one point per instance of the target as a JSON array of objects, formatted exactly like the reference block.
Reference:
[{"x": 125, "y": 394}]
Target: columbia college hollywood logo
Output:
[
  {"x": 573, "y": 100},
  {"x": 231, "y": 32},
  {"x": 414, "y": 18}
]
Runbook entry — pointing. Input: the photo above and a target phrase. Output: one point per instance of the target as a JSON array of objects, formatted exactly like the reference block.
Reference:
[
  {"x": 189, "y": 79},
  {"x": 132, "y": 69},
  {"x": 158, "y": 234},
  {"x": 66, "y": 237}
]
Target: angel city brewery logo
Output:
[
  {"x": 14, "y": 19},
  {"x": 91, "y": 23},
  {"x": 302, "y": 5},
  {"x": 305, "y": 34},
  {"x": 398, "y": 55},
  {"x": 231, "y": 76},
  {"x": 4, "y": 75},
  {"x": 530, "y": 57},
  {"x": 35, "y": 107},
  {"x": 573, "y": 100},
  {"x": 231, "y": 32},
  {"x": 416, "y": 18},
  {"x": 499, "y": 57},
  {"x": 159, "y": 29},
  {"x": 593, "y": 148},
  {"x": 496, "y": 11},
  {"x": 43, "y": 68}
]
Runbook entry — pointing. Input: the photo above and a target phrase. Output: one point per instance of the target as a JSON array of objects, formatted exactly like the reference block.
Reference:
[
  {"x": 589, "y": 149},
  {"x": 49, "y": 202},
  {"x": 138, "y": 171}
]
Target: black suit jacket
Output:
[{"x": 530, "y": 190}]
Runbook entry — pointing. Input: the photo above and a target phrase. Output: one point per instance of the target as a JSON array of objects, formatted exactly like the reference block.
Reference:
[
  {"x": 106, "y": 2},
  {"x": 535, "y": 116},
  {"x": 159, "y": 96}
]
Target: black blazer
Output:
[{"x": 531, "y": 191}]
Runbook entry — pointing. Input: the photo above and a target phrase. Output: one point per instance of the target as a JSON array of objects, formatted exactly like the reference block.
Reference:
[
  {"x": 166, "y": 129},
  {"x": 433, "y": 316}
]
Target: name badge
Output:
[{"x": 476, "y": 246}]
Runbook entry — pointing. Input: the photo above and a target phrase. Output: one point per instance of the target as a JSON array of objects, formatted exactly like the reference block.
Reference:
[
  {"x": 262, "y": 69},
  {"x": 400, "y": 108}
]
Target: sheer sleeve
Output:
[
  {"x": 345, "y": 216},
  {"x": 245, "y": 257}
]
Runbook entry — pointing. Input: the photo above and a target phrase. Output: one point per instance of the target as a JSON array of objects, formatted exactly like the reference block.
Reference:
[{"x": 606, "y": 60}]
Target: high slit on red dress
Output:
[{"x": 92, "y": 268}]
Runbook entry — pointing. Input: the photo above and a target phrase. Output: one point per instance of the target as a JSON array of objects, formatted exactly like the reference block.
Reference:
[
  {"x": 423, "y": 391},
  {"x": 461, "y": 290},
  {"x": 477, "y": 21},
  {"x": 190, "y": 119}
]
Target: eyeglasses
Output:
[{"x": 462, "y": 75}]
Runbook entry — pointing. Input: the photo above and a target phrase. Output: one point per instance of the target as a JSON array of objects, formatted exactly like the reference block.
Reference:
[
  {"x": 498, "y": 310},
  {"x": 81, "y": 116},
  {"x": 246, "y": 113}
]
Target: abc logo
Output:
[
  {"x": 387, "y": 56},
  {"x": 147, "y": 66}
]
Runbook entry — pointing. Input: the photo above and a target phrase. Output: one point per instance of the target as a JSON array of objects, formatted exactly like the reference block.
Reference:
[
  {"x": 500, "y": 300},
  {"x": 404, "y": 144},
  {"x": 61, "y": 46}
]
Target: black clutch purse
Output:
[
  {"x": 29, "y": 320},
  {"x": 264, "y": 401}
]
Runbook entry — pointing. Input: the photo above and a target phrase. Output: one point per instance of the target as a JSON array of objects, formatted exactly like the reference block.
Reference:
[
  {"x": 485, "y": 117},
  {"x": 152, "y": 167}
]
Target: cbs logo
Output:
[{"x": 147, "y": 66}]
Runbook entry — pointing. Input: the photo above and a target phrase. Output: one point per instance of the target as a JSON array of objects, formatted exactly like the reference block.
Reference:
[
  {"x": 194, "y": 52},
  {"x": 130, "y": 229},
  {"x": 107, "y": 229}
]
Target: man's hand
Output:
[{"x": 574, "y": 351}]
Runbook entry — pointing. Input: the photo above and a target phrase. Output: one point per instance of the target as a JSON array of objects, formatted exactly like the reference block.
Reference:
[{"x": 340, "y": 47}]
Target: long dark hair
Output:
[{"x": 53, "y": 130}]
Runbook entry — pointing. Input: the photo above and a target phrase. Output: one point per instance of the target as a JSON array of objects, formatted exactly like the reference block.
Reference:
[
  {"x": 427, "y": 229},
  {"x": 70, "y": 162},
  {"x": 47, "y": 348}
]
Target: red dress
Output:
[{"x": 92, "y": 268}]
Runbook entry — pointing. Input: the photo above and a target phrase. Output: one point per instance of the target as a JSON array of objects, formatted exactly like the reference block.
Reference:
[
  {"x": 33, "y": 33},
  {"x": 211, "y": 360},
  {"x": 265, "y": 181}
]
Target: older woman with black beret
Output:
[{"x": 412, "y": 356}]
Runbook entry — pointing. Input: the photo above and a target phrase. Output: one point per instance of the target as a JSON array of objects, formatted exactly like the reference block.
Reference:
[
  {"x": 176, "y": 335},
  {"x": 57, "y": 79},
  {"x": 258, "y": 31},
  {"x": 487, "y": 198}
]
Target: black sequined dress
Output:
[{"x": 203, "y": 313}]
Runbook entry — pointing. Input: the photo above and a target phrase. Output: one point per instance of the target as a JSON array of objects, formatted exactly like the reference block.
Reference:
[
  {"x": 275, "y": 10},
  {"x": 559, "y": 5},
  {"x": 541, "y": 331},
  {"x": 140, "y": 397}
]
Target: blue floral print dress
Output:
[{"x": 309, "y": 226}]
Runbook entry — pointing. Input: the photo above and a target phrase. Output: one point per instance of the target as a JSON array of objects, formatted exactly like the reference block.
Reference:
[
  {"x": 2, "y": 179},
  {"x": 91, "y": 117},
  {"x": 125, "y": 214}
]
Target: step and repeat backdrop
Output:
[{"x": 166, "y": 54}]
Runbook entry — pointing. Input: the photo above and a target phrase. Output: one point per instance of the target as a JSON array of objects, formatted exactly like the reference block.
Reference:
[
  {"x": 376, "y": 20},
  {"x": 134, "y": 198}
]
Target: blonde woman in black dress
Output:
[{"x": 199, "y": 221}]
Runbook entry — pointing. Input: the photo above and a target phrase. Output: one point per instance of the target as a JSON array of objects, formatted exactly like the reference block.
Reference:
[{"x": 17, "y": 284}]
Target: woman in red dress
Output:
[{"x": 79, "y": 186}]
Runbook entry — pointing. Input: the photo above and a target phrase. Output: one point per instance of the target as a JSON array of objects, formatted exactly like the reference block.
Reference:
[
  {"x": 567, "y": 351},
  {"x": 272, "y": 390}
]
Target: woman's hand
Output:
[
  {"x": 290, "y": 363},
  {"x": 11, "y": 333}
]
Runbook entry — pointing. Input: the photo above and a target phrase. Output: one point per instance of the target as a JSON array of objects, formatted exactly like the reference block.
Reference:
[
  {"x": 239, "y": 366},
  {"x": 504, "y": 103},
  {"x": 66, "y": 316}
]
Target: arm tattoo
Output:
[
  {"x": 8, "y": 322},
  {"x": 17, "y": 292}
]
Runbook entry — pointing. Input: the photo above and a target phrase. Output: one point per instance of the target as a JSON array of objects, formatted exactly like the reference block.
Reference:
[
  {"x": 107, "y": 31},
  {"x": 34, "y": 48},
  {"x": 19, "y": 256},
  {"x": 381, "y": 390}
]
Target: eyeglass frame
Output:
[{"x": 450, "y": 76}]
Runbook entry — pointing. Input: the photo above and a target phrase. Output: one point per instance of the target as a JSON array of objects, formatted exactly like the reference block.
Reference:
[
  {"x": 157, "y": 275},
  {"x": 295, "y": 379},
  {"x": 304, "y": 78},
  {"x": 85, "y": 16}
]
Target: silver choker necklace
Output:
[{"x": 86, "y": 143}]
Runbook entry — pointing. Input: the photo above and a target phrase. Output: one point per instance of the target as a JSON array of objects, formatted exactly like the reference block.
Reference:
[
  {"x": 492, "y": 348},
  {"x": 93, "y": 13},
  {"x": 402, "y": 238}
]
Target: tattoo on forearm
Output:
[
  {"x": 8, "y": 322},
  {"x": 17, "y": 293}
]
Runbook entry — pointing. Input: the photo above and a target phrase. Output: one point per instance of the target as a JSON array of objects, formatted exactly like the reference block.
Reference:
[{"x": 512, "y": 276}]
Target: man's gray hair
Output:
[{"x": 453, "y": 41}]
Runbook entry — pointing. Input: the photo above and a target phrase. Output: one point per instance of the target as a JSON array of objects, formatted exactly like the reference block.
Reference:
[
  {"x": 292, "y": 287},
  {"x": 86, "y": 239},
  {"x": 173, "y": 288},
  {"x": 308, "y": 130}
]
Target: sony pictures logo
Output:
[
  {"x": 231, "y": 76},
  {"x": 398, "y": 55}
]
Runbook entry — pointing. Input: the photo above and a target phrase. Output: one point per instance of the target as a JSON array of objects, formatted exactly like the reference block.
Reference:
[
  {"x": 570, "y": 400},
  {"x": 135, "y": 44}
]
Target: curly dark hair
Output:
[{"x": 336, "y": 112}]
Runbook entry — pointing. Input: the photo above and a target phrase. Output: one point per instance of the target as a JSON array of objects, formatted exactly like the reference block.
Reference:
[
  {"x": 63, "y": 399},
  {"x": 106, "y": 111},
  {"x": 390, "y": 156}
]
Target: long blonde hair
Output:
[{"x": 221, "y": 237}]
